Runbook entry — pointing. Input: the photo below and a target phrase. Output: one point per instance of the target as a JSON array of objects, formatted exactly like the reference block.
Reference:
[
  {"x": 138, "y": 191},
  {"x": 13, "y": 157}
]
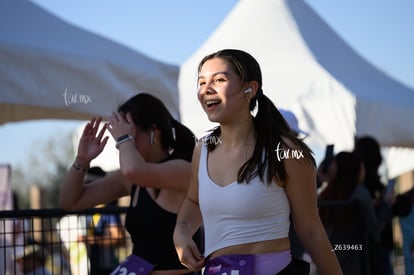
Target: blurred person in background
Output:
[
  {"x": 369, "y": 151},
  {"x": 31, "y": 260},
  {"x": 353, "y": 224}
]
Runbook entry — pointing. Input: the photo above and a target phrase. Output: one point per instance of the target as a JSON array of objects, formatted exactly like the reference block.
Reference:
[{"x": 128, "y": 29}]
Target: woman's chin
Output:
[{"x": 213, "y": 118}]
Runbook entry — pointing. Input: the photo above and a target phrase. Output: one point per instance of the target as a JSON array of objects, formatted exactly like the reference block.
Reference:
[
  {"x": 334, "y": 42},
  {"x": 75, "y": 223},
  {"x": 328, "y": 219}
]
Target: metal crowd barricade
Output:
[
  {"x": 53, "y": 235},
  {"x": 56, "y": 233}
]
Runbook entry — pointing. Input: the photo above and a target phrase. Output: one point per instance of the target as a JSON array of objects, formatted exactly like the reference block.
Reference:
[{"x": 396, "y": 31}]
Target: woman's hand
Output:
[
  {"x": 91, "y": 143},
  {"x": 119, "y": 125},
  {"x": 187, "y": 250}
]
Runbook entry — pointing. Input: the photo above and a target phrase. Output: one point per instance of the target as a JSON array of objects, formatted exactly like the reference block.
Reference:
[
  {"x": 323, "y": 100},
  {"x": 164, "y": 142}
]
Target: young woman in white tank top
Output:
[{"x": 249, "y": 174}]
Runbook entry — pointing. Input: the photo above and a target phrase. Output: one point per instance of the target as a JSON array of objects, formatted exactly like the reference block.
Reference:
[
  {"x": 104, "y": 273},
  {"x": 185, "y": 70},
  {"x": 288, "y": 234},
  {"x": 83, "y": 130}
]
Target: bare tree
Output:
[{"x": 46, "y": 167}]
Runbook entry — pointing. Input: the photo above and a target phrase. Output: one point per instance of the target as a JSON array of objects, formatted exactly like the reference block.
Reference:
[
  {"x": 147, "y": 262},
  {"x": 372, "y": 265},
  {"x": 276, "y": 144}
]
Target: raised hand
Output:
[
  {"x": 119, "y": 125},
  {"x": 92, "y": 141}
]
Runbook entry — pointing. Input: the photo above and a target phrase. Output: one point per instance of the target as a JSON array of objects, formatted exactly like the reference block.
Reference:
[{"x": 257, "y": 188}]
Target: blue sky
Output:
[{"x": 170, "y": 31}]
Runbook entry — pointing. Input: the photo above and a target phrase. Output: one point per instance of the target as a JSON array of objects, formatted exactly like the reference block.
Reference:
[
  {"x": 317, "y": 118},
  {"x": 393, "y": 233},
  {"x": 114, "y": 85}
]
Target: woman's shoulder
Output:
[{"x": 197, "y": 153}]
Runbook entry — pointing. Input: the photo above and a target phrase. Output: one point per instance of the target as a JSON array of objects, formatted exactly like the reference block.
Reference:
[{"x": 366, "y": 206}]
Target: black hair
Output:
[
  {"x": 348, "y": 167},
  {"x": 148, "y": 112},
  {"x": 270, "y": 126},
  {"x": 369, "y": 151}
]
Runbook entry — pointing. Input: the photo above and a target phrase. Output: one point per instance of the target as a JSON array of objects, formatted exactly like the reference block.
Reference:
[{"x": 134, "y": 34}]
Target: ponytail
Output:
[
  {"x": 183, "y": 141},
  {"x": 271, "y": 128}
]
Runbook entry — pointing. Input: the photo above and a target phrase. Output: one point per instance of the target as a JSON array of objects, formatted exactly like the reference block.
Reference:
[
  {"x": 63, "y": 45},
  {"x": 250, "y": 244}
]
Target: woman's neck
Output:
[{"x": 240, "y": 133}]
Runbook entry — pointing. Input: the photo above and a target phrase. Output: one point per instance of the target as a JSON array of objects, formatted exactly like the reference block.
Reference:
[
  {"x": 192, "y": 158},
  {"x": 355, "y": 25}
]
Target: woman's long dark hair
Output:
[
  {"x": 270, "y": 126},
  {"x": 148, "y": 112}
]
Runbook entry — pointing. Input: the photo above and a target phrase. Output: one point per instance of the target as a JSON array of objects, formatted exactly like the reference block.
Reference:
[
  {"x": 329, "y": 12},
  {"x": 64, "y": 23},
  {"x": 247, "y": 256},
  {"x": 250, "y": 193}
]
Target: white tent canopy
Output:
[
  {"x": 310, "y": 70},
  {"x": 52, "y": 69}
]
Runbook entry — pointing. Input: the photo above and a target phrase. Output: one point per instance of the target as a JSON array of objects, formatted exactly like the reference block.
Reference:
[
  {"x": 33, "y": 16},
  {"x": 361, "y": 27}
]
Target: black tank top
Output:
[{"x": 151, "y": 229}]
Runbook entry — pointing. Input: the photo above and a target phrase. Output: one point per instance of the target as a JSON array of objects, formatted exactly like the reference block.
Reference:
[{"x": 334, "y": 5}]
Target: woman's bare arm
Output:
[
  {"x": 301, "y": 190},
  {"x": 189, "y": 221}
]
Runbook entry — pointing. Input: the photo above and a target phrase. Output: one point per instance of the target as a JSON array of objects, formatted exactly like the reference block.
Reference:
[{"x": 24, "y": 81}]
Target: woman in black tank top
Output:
[{"x": 155, "y": 152}]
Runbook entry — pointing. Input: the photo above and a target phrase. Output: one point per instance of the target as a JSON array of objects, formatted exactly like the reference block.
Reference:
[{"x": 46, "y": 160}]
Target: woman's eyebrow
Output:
[{"x": 213, "y": 74}]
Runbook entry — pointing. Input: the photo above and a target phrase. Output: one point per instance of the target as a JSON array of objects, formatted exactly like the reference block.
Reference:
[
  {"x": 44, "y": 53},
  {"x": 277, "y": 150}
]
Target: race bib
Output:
[
  {"x": 230, "y": 265},
  {"x": 133, "y": 265}
]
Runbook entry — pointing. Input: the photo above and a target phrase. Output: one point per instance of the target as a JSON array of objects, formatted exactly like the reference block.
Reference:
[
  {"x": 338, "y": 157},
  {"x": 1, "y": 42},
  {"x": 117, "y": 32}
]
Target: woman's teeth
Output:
[{"x": 212, "y": 102}]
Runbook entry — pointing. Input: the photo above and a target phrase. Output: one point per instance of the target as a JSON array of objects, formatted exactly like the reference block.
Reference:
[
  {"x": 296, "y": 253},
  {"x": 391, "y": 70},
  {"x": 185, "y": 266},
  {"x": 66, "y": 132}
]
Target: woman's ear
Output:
[{"x": 251, "y": 89}]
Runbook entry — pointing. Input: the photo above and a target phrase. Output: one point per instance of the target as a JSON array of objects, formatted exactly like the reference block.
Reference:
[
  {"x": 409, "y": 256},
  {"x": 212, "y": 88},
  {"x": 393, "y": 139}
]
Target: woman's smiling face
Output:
[{"x": 219, "y": 90}]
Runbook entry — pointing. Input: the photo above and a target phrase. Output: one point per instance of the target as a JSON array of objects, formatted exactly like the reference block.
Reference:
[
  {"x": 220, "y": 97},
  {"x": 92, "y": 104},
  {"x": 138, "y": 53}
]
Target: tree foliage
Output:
[{"x": 45, "y": 166}]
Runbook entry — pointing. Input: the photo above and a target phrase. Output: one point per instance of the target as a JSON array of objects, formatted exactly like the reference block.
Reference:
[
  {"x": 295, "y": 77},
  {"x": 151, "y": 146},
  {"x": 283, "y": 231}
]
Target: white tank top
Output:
[{"x": 240, "y": 213}]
